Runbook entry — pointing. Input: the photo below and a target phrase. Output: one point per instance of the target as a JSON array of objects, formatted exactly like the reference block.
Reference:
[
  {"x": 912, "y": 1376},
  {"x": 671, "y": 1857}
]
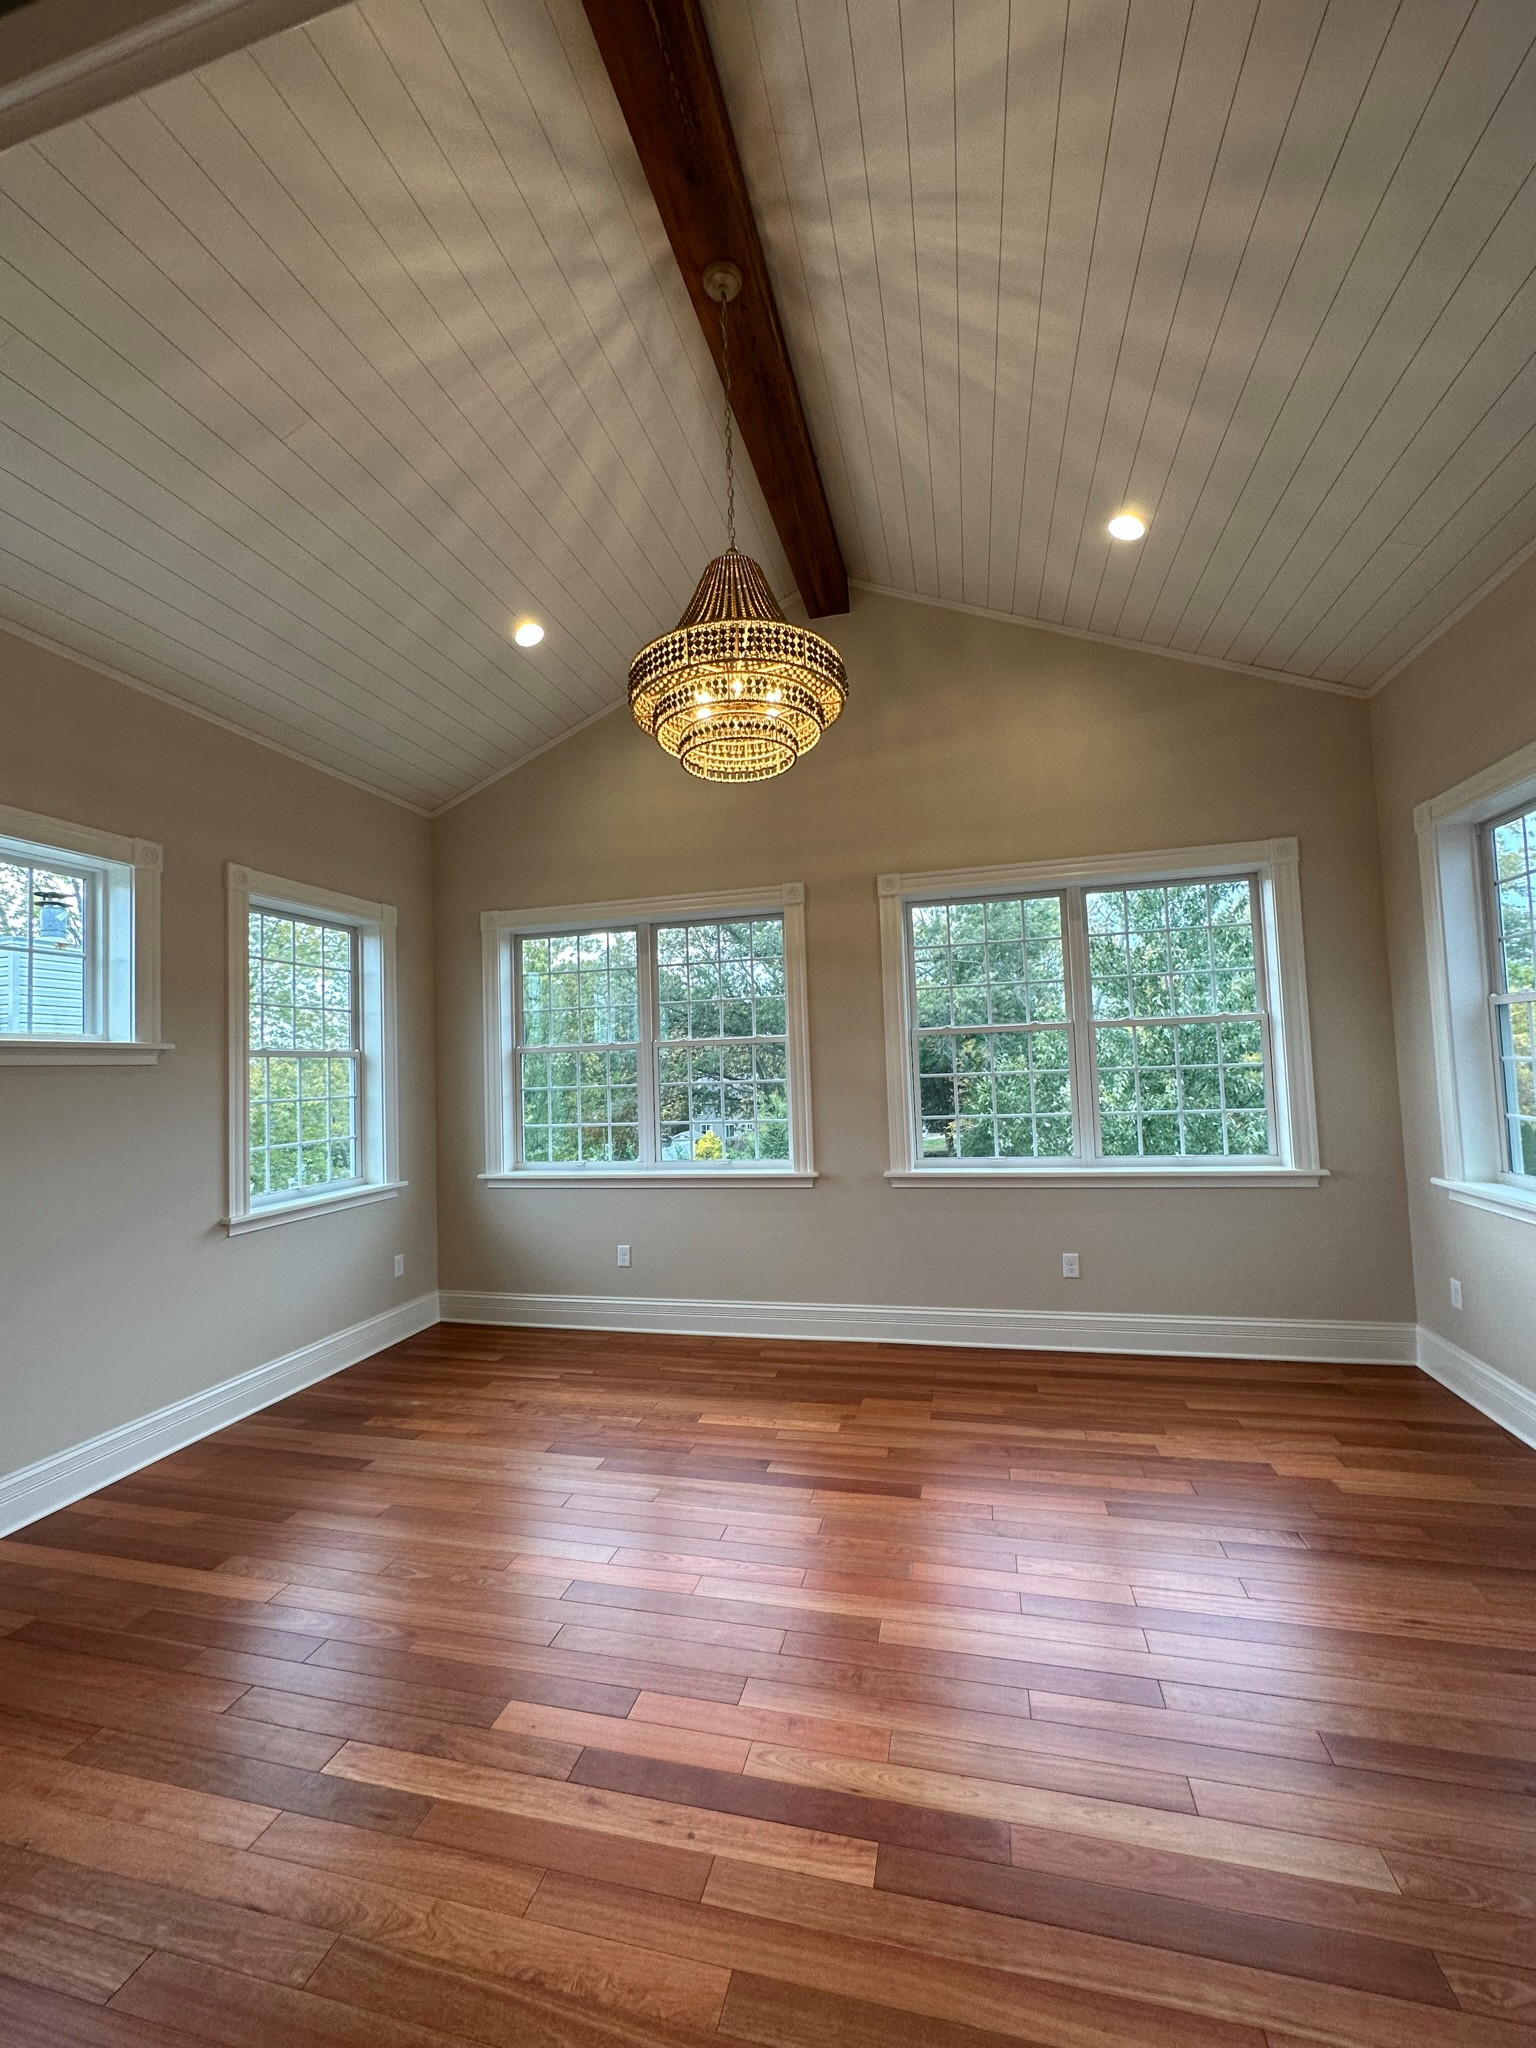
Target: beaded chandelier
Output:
[{"x": 735, "y": 691}]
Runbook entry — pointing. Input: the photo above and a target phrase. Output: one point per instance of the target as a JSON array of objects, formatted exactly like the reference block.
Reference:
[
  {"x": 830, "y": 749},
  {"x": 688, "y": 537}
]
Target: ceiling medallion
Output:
[{"x": 735, "y": 691}]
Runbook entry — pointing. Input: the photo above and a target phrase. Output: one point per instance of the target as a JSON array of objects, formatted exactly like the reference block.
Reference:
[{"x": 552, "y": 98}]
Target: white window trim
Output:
[
  {"x": 140, "y": 1045},
  {"x": 378, "y": 1079},
  {"x": 1276, "y": 865},
  {"x": 498, "y": 929},
  {"x": 1458, "y": 944}
]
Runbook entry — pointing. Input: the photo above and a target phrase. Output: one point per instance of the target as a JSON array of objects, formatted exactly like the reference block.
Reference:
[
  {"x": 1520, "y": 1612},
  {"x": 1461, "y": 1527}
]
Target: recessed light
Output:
[
  {"x": 529, "y": 633},
  {"x": 1127, "y": 526}
]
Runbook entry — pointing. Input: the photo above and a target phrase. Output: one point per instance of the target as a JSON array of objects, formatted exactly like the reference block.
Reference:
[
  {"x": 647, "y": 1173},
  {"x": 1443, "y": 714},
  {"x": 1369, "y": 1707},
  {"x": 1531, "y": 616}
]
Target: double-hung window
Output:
[
  {"x": 312, "y": 1088},
  {"x": 1510, "y": 850},
  {"x": 79, "y": 945},
  {"x": 1140, "y": 1018},
  {"x": 664, "y": 1039},
  {"x": 1477, "y": 865}
]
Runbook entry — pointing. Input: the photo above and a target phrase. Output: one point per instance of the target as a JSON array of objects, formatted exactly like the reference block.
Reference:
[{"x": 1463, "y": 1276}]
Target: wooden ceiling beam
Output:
[{"x": 663, "y": 71}]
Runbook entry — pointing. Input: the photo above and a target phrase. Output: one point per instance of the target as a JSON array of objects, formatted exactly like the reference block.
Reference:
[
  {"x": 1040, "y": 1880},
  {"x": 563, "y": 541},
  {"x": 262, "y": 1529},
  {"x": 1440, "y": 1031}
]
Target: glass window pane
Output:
[
  {"x": 723, "y": 1105},
  {"x": 301, "y": 983},
  {"x": 994, "y": 961},
  {"x": 44, "y": 940},
  {"x": 580, "y": 1107},
  {"x": 721, "y": 1051},
  {"x": 1517, "y": 1073},
  {"x": 1513, "y": 846},
  {"x": 1182, "y": 1090},
  {"x": 1157, "y": 954},
  {"x": 1512, "y": 852},
  {"x": 579, "y": 989},
  {"x": 994, "y": 1094},
  {"x": 721, "y": 980},
  {"x": 304, "y": 1055},
  {"x": 722, "y": 1063},
  {"x": 303, "y": 1123}
]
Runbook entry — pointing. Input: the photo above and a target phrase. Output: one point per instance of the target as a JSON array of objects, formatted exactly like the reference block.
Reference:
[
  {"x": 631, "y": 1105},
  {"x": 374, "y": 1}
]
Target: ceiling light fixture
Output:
[
  {"x": 735, "y": 691},
  {"x": 529, "y": 633},
  {"x": 1127, "y": 526}
]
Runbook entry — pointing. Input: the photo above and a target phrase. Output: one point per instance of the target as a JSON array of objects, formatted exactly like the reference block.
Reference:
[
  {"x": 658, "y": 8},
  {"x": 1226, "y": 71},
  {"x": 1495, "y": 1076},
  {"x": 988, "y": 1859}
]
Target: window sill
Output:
[
  {"x": 314, "y": 1205},
  {"x": 1110, "y": 1176},
  {"x": 651, "y": 1177},
  {"x": 79, "y": 1052},
  {"x": 1501, "y": 1198}
]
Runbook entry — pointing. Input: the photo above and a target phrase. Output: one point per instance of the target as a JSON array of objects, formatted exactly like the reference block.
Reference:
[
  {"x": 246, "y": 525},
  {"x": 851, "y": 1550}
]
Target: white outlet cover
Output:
[
  {"x": 623, "y": 1254},
  {"x": 1069, "y": 1266},
  {"x": 1455, "y": 1294}
]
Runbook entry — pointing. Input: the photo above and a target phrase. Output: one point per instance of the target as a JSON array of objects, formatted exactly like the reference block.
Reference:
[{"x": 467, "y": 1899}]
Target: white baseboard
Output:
[
  {"x": 1491, "y": 1392},
  {"x": 1344, "y": 1343},
  {"x": 52, "y": 1483}
]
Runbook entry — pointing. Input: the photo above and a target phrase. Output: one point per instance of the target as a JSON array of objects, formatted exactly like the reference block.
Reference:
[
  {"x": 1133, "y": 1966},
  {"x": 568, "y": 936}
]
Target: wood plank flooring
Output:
[{"x": 560, "y": 1690}]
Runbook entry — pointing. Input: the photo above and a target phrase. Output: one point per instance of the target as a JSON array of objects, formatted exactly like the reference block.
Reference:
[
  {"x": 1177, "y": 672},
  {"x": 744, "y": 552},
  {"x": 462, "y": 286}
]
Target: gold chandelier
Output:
[{"x": 735, "y": 691}]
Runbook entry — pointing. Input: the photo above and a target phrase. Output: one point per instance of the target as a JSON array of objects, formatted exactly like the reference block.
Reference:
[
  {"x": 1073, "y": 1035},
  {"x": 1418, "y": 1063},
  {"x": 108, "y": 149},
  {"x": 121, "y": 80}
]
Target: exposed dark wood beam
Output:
[
  {"x": 60, "y": 59},
  {"x": 663, "y": 71}
]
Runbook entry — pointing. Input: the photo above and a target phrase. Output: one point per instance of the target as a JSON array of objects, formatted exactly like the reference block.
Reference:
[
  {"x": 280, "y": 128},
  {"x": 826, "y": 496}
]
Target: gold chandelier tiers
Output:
[{"x": 736, "y": 691}]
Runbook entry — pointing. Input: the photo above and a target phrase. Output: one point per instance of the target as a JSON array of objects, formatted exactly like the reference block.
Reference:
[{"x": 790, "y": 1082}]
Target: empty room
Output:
[{"x": 767, "y": 1024}]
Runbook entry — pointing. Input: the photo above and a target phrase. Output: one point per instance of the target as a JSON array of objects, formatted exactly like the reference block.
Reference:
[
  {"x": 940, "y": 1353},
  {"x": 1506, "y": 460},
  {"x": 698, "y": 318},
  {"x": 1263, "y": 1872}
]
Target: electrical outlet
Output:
[
  {"x": 1069, "y": 1266},
  {"x": 1455, "y": 1294},
  {"x": 399, "y": 1265},
  {"x": 623, "y": 1254}
]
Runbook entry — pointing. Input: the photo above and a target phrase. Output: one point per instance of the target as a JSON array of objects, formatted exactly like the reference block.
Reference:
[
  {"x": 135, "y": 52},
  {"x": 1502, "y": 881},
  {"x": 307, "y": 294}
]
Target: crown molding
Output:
[
  {"x": 61, "y": 59},
  {"x": 1235, "y": 668}
]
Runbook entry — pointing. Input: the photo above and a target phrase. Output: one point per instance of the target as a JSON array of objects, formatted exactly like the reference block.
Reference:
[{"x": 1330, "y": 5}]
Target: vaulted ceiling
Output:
[{"x": 323, "y": 366}]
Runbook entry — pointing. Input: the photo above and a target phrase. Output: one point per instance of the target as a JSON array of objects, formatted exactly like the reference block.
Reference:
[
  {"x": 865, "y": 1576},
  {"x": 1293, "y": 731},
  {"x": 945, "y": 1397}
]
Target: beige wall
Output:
[
  {"x": 968, "y": 741},
  {"x": 1466, "y": 703},
  {"x": 119, "y": 1290}
]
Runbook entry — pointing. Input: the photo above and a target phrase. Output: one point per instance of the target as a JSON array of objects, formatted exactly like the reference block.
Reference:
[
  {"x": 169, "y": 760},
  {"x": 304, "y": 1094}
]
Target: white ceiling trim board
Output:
[
  {"x": 1236, "y": 668},
  {"x": 512, "y": 766},
  {"x": 133, "y": 42},
  {"x": 241, "y": 732},
  {"x": 1468, "y": 604}
]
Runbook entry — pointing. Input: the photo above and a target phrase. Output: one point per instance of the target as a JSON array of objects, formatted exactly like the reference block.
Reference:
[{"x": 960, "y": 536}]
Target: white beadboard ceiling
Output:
[
  {"x": 1259, "y": 269},
  {"x": 321, "y": 367}
]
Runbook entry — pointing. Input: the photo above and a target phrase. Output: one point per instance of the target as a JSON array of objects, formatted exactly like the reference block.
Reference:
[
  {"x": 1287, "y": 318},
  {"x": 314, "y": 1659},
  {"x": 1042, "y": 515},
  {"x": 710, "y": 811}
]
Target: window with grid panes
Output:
[
  {"x": 1091, "y": 1025},
  {"x": 661, "y": 1044},
  {"x": 994, "y": 1061},
  {"x": 579, "y": 1057},
  {"x": 304, "y": 1054},
  {"x": 1178, "y": 1032},
  {"x": 79, "y": 945},
  {"x": 722, "y": 1046},
  {"x": 46, "y": 937},
  {"x": 1512, "y": 876}
]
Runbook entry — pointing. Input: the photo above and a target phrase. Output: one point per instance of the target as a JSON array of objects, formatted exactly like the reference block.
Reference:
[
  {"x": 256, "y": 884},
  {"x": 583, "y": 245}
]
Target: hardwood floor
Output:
[{"x": 533, "y": 1687}]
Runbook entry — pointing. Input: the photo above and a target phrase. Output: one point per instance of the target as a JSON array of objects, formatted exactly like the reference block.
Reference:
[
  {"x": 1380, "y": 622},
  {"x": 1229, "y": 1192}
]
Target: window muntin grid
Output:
[
  {"x": 304, "y": 1054},
  {"x": 580, "y": 988},
  {"x": 721, "y": 979},
  {"x": 723, "y": 1053},
  {"x": 1109, "y": 1024},
  {"x": 1179, "y": 1031},
  {"x": 46, "y": 918},
  {"x": 999, "y": 1085},
  {"x": 1512, "y": 863},
  {"x": 679, "y": 1054},
  {"x": 579, "y": 1058}
]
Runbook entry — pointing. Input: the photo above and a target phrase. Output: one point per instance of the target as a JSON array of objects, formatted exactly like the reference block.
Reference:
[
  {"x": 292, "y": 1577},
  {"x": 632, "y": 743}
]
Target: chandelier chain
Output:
[
  {"x": 730, "y": 463},
  {"x": 735, "y": 692}
]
